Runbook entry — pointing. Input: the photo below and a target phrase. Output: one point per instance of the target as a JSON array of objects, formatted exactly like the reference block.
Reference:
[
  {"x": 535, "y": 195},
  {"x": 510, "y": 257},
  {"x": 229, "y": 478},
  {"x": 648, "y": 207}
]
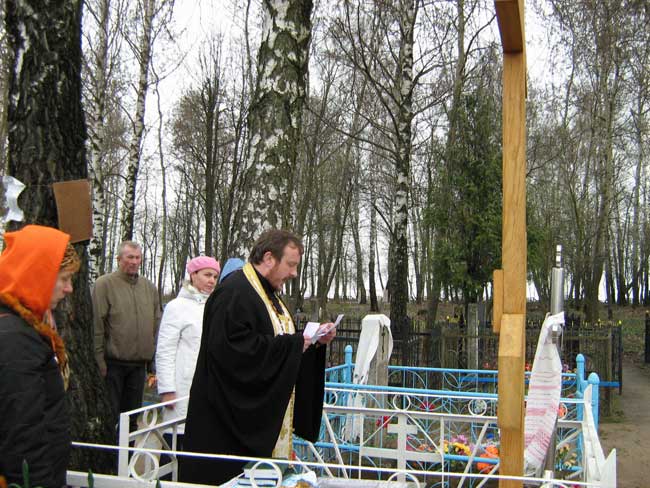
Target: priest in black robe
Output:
[{"x": 256, "y": 381}]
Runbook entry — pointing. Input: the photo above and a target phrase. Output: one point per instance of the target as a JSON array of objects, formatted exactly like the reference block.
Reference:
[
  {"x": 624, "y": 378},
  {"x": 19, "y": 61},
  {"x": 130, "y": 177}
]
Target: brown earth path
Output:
[{"x": 631, "y": 435}]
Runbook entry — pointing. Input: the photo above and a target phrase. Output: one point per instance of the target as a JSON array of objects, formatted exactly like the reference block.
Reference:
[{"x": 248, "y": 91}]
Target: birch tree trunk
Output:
[
  {"x": 47, "y": 136},
  {"x": 97, "y": 94},
  {"x": 417, "y": 268},
  {"x": 399, "y": 236},
  {"x": 6, "y": 60},
  {"x": 147, "y": 9},
  {"x": 275, "y": 116}
]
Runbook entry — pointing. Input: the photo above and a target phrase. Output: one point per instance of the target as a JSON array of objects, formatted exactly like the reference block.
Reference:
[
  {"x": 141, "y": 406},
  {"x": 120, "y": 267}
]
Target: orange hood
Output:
[{"x": 30, "y": 263}]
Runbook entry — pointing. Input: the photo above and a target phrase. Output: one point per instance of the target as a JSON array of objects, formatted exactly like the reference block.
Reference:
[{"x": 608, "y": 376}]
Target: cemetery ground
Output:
[{"x": 627, "y": 428}]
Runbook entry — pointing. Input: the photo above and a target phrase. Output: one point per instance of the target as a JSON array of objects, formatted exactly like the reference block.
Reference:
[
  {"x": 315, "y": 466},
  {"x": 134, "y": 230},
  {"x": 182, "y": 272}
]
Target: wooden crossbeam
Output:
[{"x": 510, "y": 17}]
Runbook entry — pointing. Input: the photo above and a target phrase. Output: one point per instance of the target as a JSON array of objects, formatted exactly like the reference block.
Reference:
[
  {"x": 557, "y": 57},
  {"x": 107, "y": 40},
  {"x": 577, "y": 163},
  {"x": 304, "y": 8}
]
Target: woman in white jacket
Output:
[{"x": 179, "y": 337}]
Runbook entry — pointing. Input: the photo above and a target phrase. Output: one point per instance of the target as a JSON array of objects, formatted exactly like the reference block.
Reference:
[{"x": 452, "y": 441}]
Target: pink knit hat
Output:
[{"x": 202, "y": 262}]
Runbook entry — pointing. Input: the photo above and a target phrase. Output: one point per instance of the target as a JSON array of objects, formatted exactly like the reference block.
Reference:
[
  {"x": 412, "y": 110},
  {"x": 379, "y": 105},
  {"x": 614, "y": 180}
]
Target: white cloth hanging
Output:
[
  {"x": 372, "y": 327},
  {"x": 543, "y": 399}
]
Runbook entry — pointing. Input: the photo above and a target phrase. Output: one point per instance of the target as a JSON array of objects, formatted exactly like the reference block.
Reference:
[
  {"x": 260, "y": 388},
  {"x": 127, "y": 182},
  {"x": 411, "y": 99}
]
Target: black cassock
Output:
[{"x": 243, "y": 382}]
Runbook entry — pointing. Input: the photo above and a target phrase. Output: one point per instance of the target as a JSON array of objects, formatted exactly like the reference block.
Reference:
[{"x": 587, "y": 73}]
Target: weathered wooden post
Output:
[{"x": 510, "y": 282}]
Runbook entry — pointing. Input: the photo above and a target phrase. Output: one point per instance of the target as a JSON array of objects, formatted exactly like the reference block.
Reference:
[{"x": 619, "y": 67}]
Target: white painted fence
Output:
[{"x": 402, "y": 421}]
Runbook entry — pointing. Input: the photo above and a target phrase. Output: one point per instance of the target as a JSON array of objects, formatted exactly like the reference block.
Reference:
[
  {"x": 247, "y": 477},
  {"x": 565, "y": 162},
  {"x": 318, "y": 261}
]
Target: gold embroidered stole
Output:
[{"x": 282, "y": 324}]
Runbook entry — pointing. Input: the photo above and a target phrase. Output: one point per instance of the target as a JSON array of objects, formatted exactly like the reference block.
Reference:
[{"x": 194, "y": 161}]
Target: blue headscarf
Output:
[{"x": 233, "y": 264}]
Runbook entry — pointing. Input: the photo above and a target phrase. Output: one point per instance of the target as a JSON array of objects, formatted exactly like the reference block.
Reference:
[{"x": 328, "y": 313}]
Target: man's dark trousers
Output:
[{"x": 125, "y": 384}]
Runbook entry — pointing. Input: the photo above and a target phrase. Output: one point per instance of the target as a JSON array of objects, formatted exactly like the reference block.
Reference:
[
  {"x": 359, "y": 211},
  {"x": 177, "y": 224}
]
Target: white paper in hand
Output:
[
  {"x": 326, "y": 330},
  {"x": 311, "y": 329}
]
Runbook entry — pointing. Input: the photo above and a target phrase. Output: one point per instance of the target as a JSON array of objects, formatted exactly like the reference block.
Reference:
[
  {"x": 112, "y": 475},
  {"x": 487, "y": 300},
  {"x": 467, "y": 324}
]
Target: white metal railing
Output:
[
  {"x": 598, "y": 469},
  {"x": 387, "y": 422},
  {"x": 144, "y": 465},
  {"x": 81, "y": 480}
]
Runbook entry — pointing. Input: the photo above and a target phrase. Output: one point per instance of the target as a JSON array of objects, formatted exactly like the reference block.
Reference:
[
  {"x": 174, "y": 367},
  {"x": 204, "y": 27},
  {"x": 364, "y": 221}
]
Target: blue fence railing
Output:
[{"x": 480, "y": 382}]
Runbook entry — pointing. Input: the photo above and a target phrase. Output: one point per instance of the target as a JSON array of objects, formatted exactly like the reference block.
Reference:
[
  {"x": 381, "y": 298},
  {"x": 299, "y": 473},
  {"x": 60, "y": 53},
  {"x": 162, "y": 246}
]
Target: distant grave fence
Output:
[{"x": 446, "y": 345}]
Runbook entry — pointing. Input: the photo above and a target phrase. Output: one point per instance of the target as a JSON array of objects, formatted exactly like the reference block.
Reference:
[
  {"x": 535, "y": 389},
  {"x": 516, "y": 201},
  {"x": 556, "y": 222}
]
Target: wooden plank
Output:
[
  {"x": 511, "y": 377},
  {"x": 510, "y": 17},
  {"x": 497, "y": 299},
  {"x": 511, "y": 465},
  {"x": 512, "y": 333},
  {"x": 512, "y": 340},
  {"x": 514, "y": 184}
]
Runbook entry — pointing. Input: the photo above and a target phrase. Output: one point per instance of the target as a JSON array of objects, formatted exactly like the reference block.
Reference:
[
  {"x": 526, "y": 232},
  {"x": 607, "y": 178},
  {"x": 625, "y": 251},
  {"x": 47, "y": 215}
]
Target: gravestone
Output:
[{"x": 378, "y": 374}]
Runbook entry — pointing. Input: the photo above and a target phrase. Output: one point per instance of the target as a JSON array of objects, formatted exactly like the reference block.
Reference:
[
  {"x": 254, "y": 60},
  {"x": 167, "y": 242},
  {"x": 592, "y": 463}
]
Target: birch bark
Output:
[{"x": 275, "y": 116}]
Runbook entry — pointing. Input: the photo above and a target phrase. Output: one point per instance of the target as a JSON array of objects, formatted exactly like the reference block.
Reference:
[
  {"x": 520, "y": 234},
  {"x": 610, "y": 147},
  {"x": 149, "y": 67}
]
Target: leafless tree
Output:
[
  {"x": 105, "y": 126},
  {"x": 151, "y": 18}
]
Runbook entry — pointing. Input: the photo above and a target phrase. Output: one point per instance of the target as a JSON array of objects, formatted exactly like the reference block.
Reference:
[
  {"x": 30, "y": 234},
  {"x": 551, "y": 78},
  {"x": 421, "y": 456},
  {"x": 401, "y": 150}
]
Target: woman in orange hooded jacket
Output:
[{"x": 36, "y": 271}]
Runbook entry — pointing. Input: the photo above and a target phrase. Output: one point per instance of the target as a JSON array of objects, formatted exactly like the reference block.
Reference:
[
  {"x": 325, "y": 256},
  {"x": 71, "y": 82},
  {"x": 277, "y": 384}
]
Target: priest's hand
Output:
[
  {"x": 168, "y": 397},
  {"x": 330, "y": 335},
  {"x": 307, "y": 342}
]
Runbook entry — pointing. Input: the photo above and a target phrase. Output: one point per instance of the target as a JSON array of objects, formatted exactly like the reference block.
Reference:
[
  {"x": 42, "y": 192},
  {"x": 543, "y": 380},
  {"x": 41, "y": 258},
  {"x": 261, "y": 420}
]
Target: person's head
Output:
[
  {"x": 233, "y": 264},
  {"x": 36, "y": 267},
  {"x": 63, "y": 285},
  {"x": 204, "y": 272},
  {"x": 129, "y": 258},
  {"x": 276, "y": 255}
]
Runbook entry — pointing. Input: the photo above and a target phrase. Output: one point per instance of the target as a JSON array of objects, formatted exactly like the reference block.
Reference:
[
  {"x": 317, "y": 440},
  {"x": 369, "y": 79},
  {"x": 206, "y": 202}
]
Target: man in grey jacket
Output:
[{"x": 127, "y": 314}]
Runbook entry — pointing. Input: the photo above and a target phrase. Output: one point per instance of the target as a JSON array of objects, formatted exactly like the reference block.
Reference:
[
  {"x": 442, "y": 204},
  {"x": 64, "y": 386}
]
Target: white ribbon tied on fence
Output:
[{"x": 543, "y": 399}]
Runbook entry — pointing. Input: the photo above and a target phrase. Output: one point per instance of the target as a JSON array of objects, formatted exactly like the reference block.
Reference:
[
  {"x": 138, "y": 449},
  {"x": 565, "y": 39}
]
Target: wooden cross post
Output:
[{"x": 509, "y": 292}]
